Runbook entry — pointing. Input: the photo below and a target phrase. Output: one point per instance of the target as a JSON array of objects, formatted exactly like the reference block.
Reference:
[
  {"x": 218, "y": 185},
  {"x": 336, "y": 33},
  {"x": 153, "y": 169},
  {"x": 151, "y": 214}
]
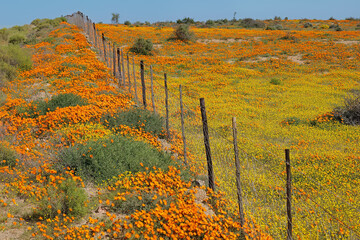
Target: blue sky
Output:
[{"x": 20, "y": 12}]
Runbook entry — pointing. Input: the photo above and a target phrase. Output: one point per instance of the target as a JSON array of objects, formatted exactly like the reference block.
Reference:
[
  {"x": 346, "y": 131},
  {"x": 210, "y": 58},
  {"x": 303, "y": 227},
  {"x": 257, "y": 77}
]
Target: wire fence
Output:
[{"x": 302, "y": 213}]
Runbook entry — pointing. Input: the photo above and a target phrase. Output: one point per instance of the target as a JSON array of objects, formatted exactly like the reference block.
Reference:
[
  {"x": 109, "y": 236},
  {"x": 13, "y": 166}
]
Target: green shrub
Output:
[
  {"x": 17, "y": 39},
  {"x": 4, "y": 34},
  {"x": 251, "y": 23},
  {"x": 350, "y": 112},
  {"x": 7, "y": 73},
  {"x": 185, "y": 21},
  {"x": 142, "y": 46},
  {"x": 136, "y": 118},
  {"x": 275, "y": 27},
  {"x": 183, "y": 33},
  {"x": 65, "y": 100},
  {"x": 210, "y": 23},
  {"x": 275, "y": 81},
  {"x": 67, "y": 197},
  {"x": 41, "y": 107},
  {"x": 16, "y": 57},
  {"x": 7, "y": 156},
  {"x": 127, "y": 23},
  {"x": 308, "y": 24},
  {"x": 107, "y": 158}
]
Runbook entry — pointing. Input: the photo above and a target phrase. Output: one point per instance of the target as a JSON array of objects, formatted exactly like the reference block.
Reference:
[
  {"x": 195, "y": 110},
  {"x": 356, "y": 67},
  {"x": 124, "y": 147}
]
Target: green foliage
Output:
[
  {"x": 115, "y": 18},
  {"x": 275, "y": 27},
  {"x": 183, "y": 33},
  {"x": 350, "y": 112},
  {"x": 291, "y": 121},
  {"x": 308, "y": 25},
  {"x": 67, "y": 197},
  {"x": 41, "y": 107},
  {"x": 12, "y": 59},
  {"x": 251, "y": 23},
  {"x": 17, "y": 39},
  {"x": 127, "y": 23},
  {"x": 275, "y": 81},
  {"x": 4, "y": 34},
  {"x": 107, "y": 158},
  {"x": 142, "y": 46},
  {"x": 65, "y": 100},
  {"x": 185, "y": 21},
  {"x": 16, "y": 57},
  {"x": 136, "y": 118},
  {"x": 7, "y": 156},
  {"x": 7, "y": 73},
  {"x": 210, "y": 23}
]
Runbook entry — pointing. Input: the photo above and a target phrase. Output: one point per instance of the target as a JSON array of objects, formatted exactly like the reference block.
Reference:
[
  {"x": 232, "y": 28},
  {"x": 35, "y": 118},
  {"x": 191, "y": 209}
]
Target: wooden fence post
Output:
[
  {"x": 237, "y": 165},
  {"x": 152, "y": 89},
  {"x": 109, "y": 58},
  {"x": 142, "y": 75},
  {"x": 103, "y": 40},
  {"x": 123, "y": 67},
  {"x": 166, "y": 107},
  {"x": 114, "y": 61},
  {"x": 135, "y": 86},
  {"x": 119, "y": 66},
  {"x": 288, "y": 195},
  {"x": 128, "y": 70},
  {"x": 207, "y": 145},
  {"x": 182, "y": 124}
]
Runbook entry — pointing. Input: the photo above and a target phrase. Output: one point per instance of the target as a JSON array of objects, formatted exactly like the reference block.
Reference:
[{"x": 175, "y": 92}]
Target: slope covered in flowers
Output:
[{"x": 282, "y": 86}]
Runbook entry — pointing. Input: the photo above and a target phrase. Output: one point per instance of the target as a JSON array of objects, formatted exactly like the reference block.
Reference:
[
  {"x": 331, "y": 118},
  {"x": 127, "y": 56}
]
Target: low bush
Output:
[
  {"x": 275, "y": 27},
  {"x": 136, "y": 118},
  {"x": 183, "y": 33},
  {"x": 186, "y": 20},
  {"x": 350, "y": 112},
  {"x": 65, "y": 100},
  {"x": 4, "y": 34},
  {"x": 127, "y": 23},
  {"x": 68, "y": 197},
  {"x": 142, "y": 46},
  {"x": 308, "y": 25},
  {"x": 16, "y": 57},
  {"x": 107, "y": 158},
  {"x": 17, "y": 39},
  {"x": 7, "y": 156},
  {"x": 251, "y": 23},
  {"x": 41, "y": 107},
  {"x": 275, "y": 81}
]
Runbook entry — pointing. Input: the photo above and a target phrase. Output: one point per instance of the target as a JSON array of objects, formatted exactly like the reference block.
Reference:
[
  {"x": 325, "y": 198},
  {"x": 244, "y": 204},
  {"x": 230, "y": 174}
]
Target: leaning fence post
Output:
[
  {"x": 123, "y": 67},
  {"x": 237, "y": 165},
  {"x": 135, "y": 86},
  {"x": 95, "y": 37},
  {"x": 128, "y": 70},
  {"x": 119, "y": 66},
  {"x": 142, "y": 75},
  {"x": 103, "y": 40},
  {"x": 152, "y": 89},
  {"x": 207, "y": 144},
  {"x": 166, "y": 107},
  {"x": 288, "y": 195},
  {"x": 114, "y": 61},
  {"x": 182, "y": 124}
]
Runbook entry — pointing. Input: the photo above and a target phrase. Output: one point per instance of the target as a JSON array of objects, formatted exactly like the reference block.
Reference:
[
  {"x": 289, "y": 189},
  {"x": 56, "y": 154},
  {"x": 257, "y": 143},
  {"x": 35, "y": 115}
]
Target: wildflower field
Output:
[
  {"x": 76, "y": 165},
  {"x": 283, "y": 87}
]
